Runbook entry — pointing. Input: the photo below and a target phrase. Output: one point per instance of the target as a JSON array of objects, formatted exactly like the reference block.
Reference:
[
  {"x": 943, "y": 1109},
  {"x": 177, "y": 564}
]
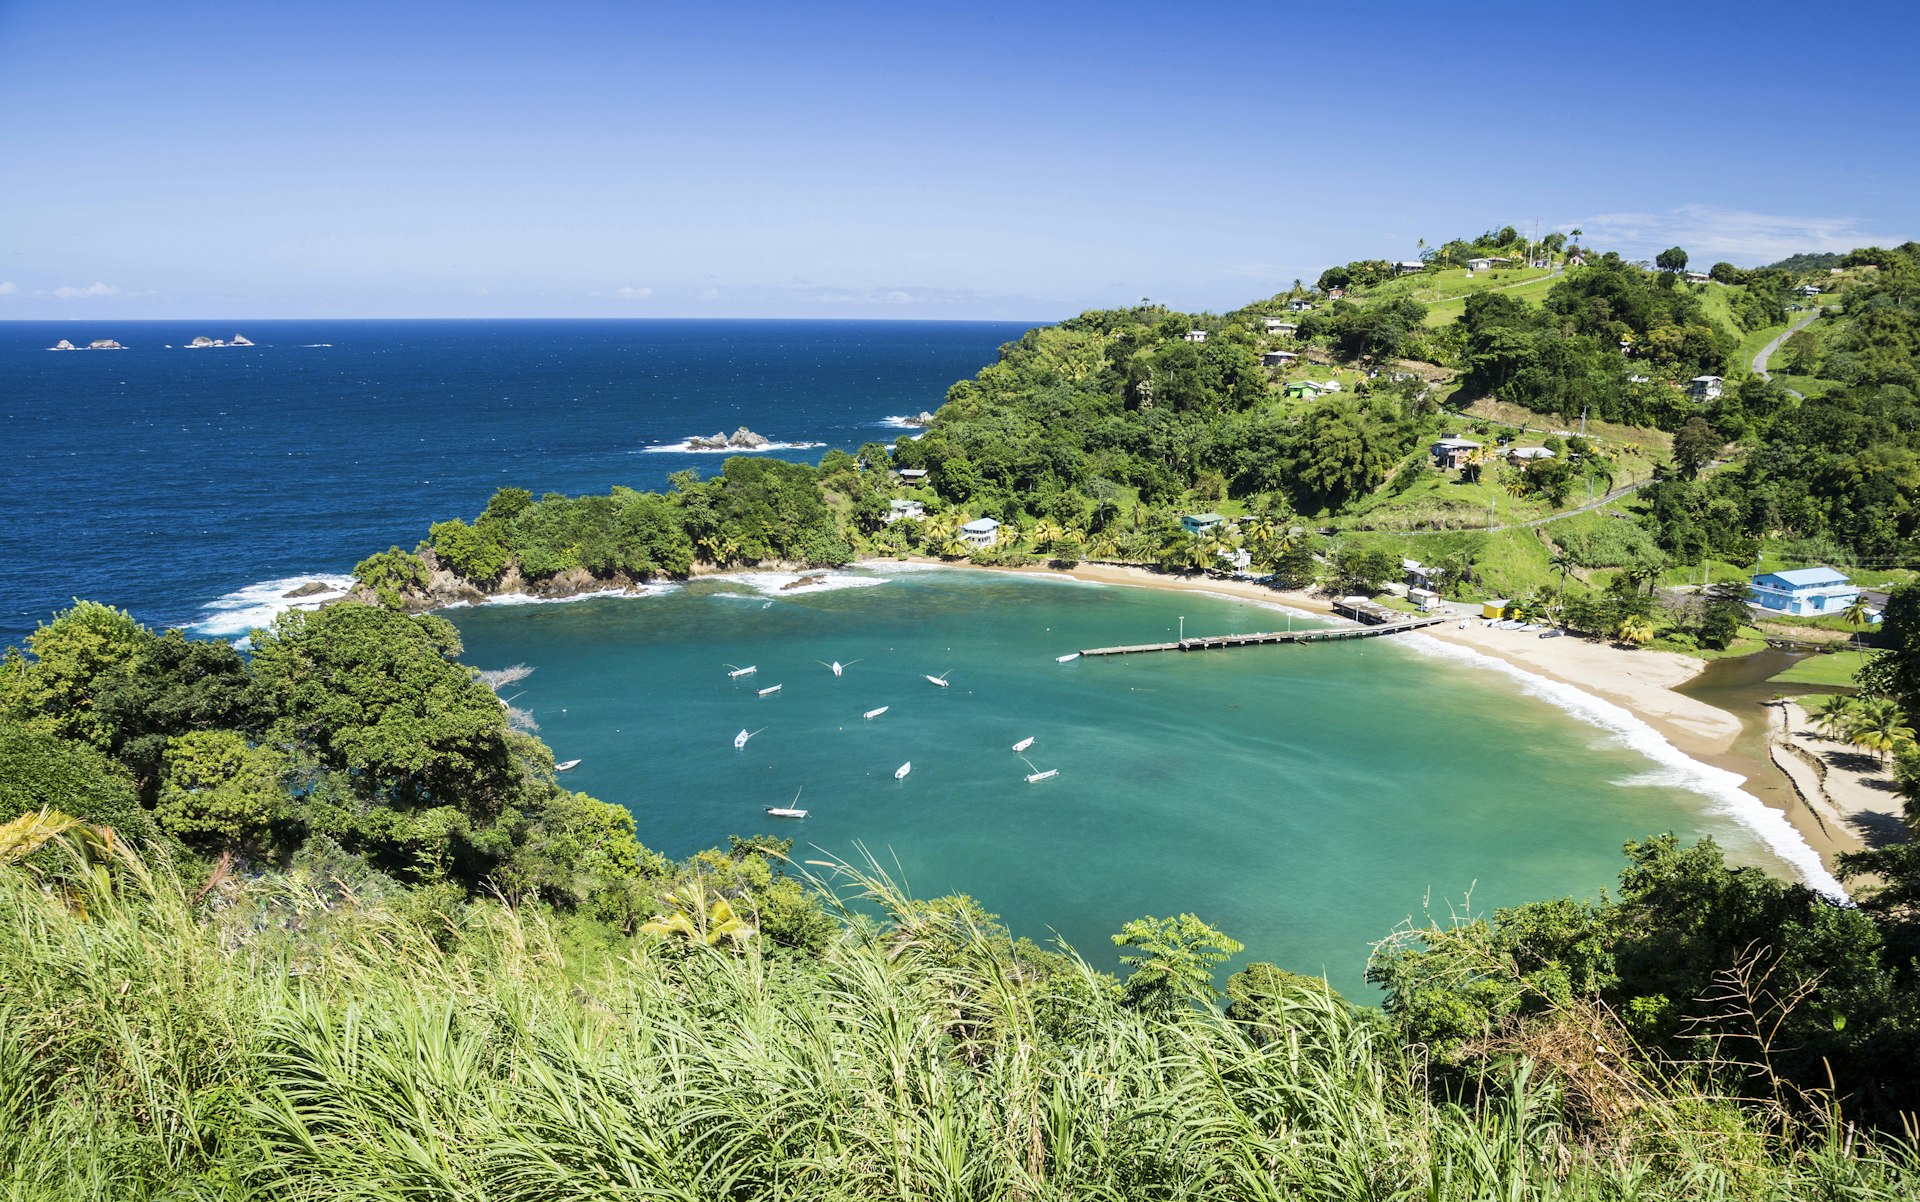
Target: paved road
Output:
[{"x": 1766, "y": 352}]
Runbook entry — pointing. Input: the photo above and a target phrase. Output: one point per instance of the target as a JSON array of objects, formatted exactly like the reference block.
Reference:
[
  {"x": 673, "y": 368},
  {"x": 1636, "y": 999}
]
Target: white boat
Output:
[
  {"x": 566, "y": 765},
  {"x": 940, "y": 680},
  {"x": 1023, "y": 744},
  {"x": 900, "y": 773},
  {"x": 1036, "y": 774},
  {"x": 749, "y": 670},
  {"x": 790, "y": 810},
  {"x": 1066, "y": 659},
  {"x": 876, "y": 713},
  {"x": 838, "y": 668},
  {"x": 772, "y": 688},
  {"x": 740, "y": 740}
]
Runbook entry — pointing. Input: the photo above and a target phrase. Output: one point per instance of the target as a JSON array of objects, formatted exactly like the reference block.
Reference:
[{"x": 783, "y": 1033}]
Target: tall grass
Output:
[{"x": 270, "y": 1041}]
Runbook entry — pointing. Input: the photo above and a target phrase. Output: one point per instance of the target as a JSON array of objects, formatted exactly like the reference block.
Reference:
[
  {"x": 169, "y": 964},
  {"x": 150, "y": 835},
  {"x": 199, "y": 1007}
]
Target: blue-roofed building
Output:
[{"x": 1803, "y": 592}]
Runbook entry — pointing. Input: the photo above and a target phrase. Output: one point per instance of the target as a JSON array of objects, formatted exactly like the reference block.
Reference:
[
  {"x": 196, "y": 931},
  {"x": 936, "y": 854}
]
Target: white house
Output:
[
  {"x": 1803, "y": 592},
  {"x": 1486, "y": 264},
  {"x": 1276, "y": 325},
  {"x": 898, "y": 509},
  {"x": 1195, "y": 336},
  {"x": 1408, "y": 267},
  {"x": 1705, "y": 388},
  {"x": 1200, "y": 523},
  {"x": 1299, "y": 304},
  {"x": 1277, "y": 358},
  {"x": 1698, "y": 277},
  {"x": 981, "y": 532},
  {"x": 1528, "y": 454},
  {"x": 1808, "y": 290}
]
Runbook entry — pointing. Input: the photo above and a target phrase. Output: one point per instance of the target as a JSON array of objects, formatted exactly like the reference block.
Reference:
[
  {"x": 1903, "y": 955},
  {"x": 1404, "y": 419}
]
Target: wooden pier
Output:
[{"x": 1218, "y": 641}]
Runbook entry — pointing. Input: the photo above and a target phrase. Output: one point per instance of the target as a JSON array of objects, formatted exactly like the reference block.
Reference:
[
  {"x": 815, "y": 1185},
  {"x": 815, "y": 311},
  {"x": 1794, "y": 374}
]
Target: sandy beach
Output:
[
  {"x": 1848, "y": 789},
  {"x": 1638, "y": 681}
]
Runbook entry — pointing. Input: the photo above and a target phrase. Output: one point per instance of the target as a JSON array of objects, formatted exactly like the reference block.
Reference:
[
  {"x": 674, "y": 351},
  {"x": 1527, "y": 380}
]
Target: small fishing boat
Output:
[
  {"x": 772, "y": 688},
  {"x": 566, "y": 765},
  {"x": 1066, "y": 659},
  {"x": 740, "y": 740},
  {"x": 838, "y": 668},
  {"x": 749, "y": 670},
  {"x": 870, "y": 714},
  {"x": 940, "y": 680},
  {"x": 900, "y": 773},
  {"x": 1023, "y": 744},
  {"x": 1036, "y": 774},
  {"x": 790, "y": 810}
]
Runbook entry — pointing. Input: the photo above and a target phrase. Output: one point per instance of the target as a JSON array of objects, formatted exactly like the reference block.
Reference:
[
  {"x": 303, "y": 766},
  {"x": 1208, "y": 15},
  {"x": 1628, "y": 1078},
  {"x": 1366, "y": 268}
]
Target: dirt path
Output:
[{"x": 1766, "y": 352}]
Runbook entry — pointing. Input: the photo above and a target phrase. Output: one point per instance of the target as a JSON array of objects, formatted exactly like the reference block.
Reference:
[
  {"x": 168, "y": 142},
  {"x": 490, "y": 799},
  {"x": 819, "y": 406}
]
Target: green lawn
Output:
[
  {"x": 1445, "y": 292},
  {"x": 1835, "y": 669}
]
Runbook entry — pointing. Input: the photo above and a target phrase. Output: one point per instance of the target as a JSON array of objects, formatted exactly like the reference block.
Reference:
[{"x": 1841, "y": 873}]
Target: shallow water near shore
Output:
[{"x": 1303, "y": 799}]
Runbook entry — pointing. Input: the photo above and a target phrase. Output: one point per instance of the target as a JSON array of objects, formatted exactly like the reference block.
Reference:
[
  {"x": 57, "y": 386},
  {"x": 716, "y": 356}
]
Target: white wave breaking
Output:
[
  {"x": 258, "y": 604},
  {"x": 1676, "y": 769},
  {"x": 774, "y": 584},
  {"x": 685, "y": 447},
  {"x": 900, "y": 423},
  {"x": 642, "y": 590}
]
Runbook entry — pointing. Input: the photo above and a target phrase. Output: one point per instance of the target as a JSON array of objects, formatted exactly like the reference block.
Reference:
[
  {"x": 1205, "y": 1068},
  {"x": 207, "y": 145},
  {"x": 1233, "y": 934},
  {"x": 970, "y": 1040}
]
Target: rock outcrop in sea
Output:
[
  {"x": 203, "y": 341},
  {"x": 742, "y": 439}
]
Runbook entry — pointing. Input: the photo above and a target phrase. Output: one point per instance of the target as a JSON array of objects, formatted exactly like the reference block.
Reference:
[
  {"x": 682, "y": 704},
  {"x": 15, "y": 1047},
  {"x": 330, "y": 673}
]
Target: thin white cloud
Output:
[
  {"x": 9, "y": 288},
  {"x": 631, "y": 293},
  {"x": 905, "y": 295},
  {"x": 709, "y": 294},
  {"x": 69, "y": 292},
  {"x": 1709, "y": 232}
]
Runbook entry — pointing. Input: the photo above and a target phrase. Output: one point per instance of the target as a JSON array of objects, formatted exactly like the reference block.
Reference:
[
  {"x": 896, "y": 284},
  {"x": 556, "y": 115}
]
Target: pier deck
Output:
[{"x": 1218, "y": 641}]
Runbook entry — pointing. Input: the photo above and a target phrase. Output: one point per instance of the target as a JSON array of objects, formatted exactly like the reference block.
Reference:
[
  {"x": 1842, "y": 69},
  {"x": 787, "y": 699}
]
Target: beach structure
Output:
[
  {"x": 1375, "y": 620},
  {"x": 1802, "y": 592},
  {"x": 980, "y": 532},
  {"x": 1705, "y": 388},
  {"x": 1496, "y": 609},
  {"x": 1453, "y": 452},
  {"x": 1200, "y": 523},
  {"x": 898, "y": 509},
  {"x": 1425, "y": 598}
]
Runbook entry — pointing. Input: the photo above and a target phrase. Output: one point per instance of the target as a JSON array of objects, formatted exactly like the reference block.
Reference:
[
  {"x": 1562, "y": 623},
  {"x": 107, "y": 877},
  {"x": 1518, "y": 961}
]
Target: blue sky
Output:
[{"x": 292, "y": 159}]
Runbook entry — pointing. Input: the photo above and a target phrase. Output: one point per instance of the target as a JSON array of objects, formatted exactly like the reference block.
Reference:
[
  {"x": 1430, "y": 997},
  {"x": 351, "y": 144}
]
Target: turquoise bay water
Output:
[{"x": 1303, "y": 799}]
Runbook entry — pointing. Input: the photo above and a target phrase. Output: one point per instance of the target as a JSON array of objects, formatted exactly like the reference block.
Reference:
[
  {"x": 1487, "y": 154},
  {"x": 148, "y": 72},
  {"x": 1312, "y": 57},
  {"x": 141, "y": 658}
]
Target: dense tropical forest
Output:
[{"x": 316, "y": 918}]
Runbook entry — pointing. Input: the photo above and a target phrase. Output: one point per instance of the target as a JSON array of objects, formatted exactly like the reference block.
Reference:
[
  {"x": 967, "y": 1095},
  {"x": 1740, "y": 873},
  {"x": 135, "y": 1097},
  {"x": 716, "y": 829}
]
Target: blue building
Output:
[{"x": 1803, "y": 592}]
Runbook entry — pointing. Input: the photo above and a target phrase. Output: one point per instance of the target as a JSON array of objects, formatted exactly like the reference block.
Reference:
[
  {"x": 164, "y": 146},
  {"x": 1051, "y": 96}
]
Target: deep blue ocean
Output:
[{"x": 186, "y": 485}]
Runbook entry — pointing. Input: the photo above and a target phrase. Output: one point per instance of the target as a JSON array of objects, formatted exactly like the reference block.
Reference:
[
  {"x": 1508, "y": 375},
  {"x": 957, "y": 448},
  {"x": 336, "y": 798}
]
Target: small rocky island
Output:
[
  {"x": 742, "y": 439},
  {"x": 204, "y": 341},
  {"x": 922, "y": 419},
  {"x": 98, "y": 344}
]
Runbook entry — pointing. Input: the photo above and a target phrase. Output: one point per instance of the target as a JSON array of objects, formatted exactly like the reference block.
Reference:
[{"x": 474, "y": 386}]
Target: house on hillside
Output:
[
  {"x": 1487, "y": 264},
  {"x": 898, "y": 509},
  {"x": 1299, "y": 304},
  {"x": 913, "y": 475},
  {"x": 1528, "y": 454},
  {"x": 1279, "y": 325},
  {"x": 1194, "y": 336},
  {"x": 1698, "y": 277},
  {"x": 1419, "y": 575},
  {"x": 1803, "y": 592},
  {"x": 1453, "y": 452},
  {"x": 1808, "y": 290},
  {"x": 1705, "y": 388},
  {"x": 1409, "y": 267},
  {"x": 980, "y": 532},
  {"x": 1311, "y": 390},
  {"x": 1277, "y": 358},
  {"x": 1200, "y": 523}
]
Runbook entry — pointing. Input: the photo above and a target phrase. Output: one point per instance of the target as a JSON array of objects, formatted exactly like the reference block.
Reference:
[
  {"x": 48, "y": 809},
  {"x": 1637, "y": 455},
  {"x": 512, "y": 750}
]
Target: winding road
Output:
[{"x": 1766, "y": 352}]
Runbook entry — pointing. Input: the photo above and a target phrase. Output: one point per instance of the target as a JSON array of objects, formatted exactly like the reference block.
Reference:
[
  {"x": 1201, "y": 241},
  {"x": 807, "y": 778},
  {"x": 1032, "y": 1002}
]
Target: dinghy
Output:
[
  {"x": 900, "y": 773},
  {"x": 1023, "y": 744},
  {"x": 1036, "y": 774},
  {"x": 772, "y": 688},
  {"x": 941, "y": 679},
  {"x": 749, "y": 670},
  {"x": 740, "y": 740},
  {"x": 870, "y": 714},
  {"x": 838, "y": 668},
  {"x": 790, "y": 810},
  {"x": 566, "y": 766},
  {"x": 1066, "y": 659}
]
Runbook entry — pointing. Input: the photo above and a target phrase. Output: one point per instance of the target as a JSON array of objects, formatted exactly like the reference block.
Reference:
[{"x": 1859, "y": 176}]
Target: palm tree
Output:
[
  {"x": 1564, "y": 561},
  {"x": 955, "y": 548},
  {"x": 1880, "y": 727},
  {"x": 1634, "y": 630},
  {"x": 690, "y": 917},
  {"x": 1834, "y": 715},
  {"x": 1047, "y": 532},
  {"x": 1856, "y": 612}
]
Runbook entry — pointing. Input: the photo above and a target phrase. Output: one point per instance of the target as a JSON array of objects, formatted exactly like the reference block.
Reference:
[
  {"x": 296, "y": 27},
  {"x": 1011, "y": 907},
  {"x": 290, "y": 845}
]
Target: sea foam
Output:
[
  {"x": 642, "y": 590},
  {"x": 774, "y": 584},
  {"x": 685, "y": 447},
  {"x": 258, "y": 604},
  {"x": 1676, "y": 768}
]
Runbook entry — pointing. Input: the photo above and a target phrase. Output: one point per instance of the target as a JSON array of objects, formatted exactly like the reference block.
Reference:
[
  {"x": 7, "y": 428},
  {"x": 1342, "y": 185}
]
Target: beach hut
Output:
[{"x": 1495, "y": 609}]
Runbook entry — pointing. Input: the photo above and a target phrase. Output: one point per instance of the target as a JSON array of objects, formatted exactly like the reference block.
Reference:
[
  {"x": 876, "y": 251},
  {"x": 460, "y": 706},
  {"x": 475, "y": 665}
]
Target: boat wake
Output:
[{"x": 1676, "y": 768}]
